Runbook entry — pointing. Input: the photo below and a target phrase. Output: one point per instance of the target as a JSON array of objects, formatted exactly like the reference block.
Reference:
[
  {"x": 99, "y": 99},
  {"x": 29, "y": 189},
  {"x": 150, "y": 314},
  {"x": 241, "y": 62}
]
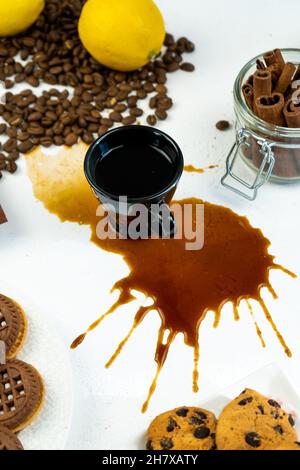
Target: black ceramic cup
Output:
[{"x": 127, "y": 137}]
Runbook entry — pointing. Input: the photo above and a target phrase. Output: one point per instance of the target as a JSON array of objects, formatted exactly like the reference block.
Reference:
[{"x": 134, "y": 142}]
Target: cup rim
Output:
[{"x": 137, "y": 128}]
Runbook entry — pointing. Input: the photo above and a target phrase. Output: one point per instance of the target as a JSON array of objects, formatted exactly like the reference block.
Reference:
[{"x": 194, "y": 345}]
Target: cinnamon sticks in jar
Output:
[{"x": 269, "y": 91}]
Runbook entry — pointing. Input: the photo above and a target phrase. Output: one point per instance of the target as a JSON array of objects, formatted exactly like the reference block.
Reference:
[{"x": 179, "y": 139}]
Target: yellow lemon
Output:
[
  {"x": 17, "y": 15},
  {"x": 122, "y": 34}
]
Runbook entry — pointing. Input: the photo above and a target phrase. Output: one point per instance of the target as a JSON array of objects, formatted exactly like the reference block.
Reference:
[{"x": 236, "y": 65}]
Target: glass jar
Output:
[{"x": 272, "y": 152}]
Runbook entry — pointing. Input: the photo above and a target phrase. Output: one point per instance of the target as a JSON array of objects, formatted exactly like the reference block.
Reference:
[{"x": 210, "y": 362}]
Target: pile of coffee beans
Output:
[{"x": 83, "y": 98}]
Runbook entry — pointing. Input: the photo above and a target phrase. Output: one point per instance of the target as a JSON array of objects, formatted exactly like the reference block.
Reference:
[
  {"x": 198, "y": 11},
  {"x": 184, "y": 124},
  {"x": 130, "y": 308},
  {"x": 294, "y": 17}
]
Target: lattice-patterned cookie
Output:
[
  {"x": 13, "y": 326},
  {"x": 8, "y": 440},
  {"x": 21, "y": 394}
]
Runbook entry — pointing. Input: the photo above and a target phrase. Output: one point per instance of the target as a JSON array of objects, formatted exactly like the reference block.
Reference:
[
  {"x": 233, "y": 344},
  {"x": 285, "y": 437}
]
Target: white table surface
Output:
[{"x": 71, "y": 278}]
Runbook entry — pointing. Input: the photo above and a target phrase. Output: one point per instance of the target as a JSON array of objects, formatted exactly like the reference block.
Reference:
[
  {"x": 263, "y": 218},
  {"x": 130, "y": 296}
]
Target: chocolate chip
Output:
[
  {"x": 275, "y": 414},
  {"x": 253, "y": 439},
  {"x": 245, "y": 401},
  {"x": 201, "y": 414},
  {"x": 149, "y": 445},
  {"x": 202, "y": 432},
  {"x": 278, "y": 429},
  {"x": 261, "y": 409},
  {"x": 195, "y": 420},
  {"x": 171, "y": 424},
  {"x": 166, "y": 443},
  {"x": 222, "y": 125},
  {"x": 291, "y": 420},
  {"x": 274, "y": 403},
  {"x": 182, "y": 412}
]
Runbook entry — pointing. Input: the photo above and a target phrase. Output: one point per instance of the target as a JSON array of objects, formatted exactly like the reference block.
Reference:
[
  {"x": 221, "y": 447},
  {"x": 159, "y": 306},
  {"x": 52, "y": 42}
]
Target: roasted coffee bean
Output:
[
  {"x": 102, "y": 130},
  {"x": 161, "y": 114},
  {"x": 25, "y": 147},
  {"x": 11, "y": 166},
  {"x": 132, "y": 101},
  {"x": 173, "y": 67},
  {"x": 3, "y": 129},
  {"x": 153, "y": 102},
  {"x": 115, "y": 116},
  {"x": 253, "y": 439},
  {"x": 128, "y": 120},
  {"x": 120, "y": 107},
  {"x": 187, "y": 67},
  {"x": 14, "y": 155},
  {"x": 136, "y": 112},
  {"x": 8, "y": 84},
  {"x": 222, "y": 125},
  {"x": 202, "y": 432},
  {"x": 151, "y": 120},
  {"x": 71, "y": 139},
  {"x": 10, "y": 145},
  {"x": 182, "y": 412},
  {"x": 88, "y": 138},
  {"x": 166, "y": 443}
]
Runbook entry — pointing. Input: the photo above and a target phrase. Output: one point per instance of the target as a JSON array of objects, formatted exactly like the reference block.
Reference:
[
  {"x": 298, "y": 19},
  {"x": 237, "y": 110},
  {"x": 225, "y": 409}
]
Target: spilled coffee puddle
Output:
[{"x": 233, "y": 265}]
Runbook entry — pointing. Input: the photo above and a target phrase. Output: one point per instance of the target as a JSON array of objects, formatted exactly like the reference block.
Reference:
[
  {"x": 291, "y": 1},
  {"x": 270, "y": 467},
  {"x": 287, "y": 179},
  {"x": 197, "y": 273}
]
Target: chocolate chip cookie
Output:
[
  {"x": 13, "y": 326},
  {"x": 185, "y": 428},
  {"x": 8, "y": 440},
  {"x": 254, "y": 422}
]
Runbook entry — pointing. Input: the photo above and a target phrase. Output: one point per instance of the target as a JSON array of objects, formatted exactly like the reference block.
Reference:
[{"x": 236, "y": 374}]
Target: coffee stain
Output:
[
  {"x": 233, "y": 265},
  {"x": 192, "y": 169}
]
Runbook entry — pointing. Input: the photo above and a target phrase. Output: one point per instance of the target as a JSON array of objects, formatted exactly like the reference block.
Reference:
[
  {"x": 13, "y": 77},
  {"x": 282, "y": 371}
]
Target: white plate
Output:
[{"x": 46, "y": 352}]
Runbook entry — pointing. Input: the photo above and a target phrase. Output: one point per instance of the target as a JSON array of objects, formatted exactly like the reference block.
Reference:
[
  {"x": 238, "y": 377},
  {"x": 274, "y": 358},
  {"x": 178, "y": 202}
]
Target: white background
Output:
[{"x": 70, "y": 278}]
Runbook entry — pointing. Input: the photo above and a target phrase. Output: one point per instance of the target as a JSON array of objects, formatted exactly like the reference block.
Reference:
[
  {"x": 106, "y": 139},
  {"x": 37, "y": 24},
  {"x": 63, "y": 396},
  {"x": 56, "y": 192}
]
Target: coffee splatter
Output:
[
  {"x": 192, "y": 169},
  {"x": 184, "y": 285}
]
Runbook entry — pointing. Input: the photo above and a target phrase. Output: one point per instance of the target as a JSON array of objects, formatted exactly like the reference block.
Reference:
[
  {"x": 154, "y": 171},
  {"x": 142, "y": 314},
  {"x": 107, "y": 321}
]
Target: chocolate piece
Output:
[
  {"x": 274, "y": 403},
  {"x": 278, "y": 429},
  {"x": 12, "y": 326},
  {"x": 182, "y": 412},
  {"x": 291, "y": 420},
  {"x": 8, "y": 440},
  {"x": 202, "y": 432},
  {"x": 166, "y": 443},
  {"x": 21, "y": 394},
  {"x": 253, "y": 439},
  {"x": 245, "y": 401},
  {"x": 171, "y": 425}
]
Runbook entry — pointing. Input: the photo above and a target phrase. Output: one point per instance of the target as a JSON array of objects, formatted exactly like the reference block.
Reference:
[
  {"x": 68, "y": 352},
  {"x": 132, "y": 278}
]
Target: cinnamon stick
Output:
[
  {"x": 278, "y": 58},
  {"x": 270, "y": 58},
  {"x": 248, "y": 95},
  {"x": 292, "y": 114},
  {"x": 270, "y": 108},
  {"x": 262, "y": 84},
  {"x": 285, "y": 78}
]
